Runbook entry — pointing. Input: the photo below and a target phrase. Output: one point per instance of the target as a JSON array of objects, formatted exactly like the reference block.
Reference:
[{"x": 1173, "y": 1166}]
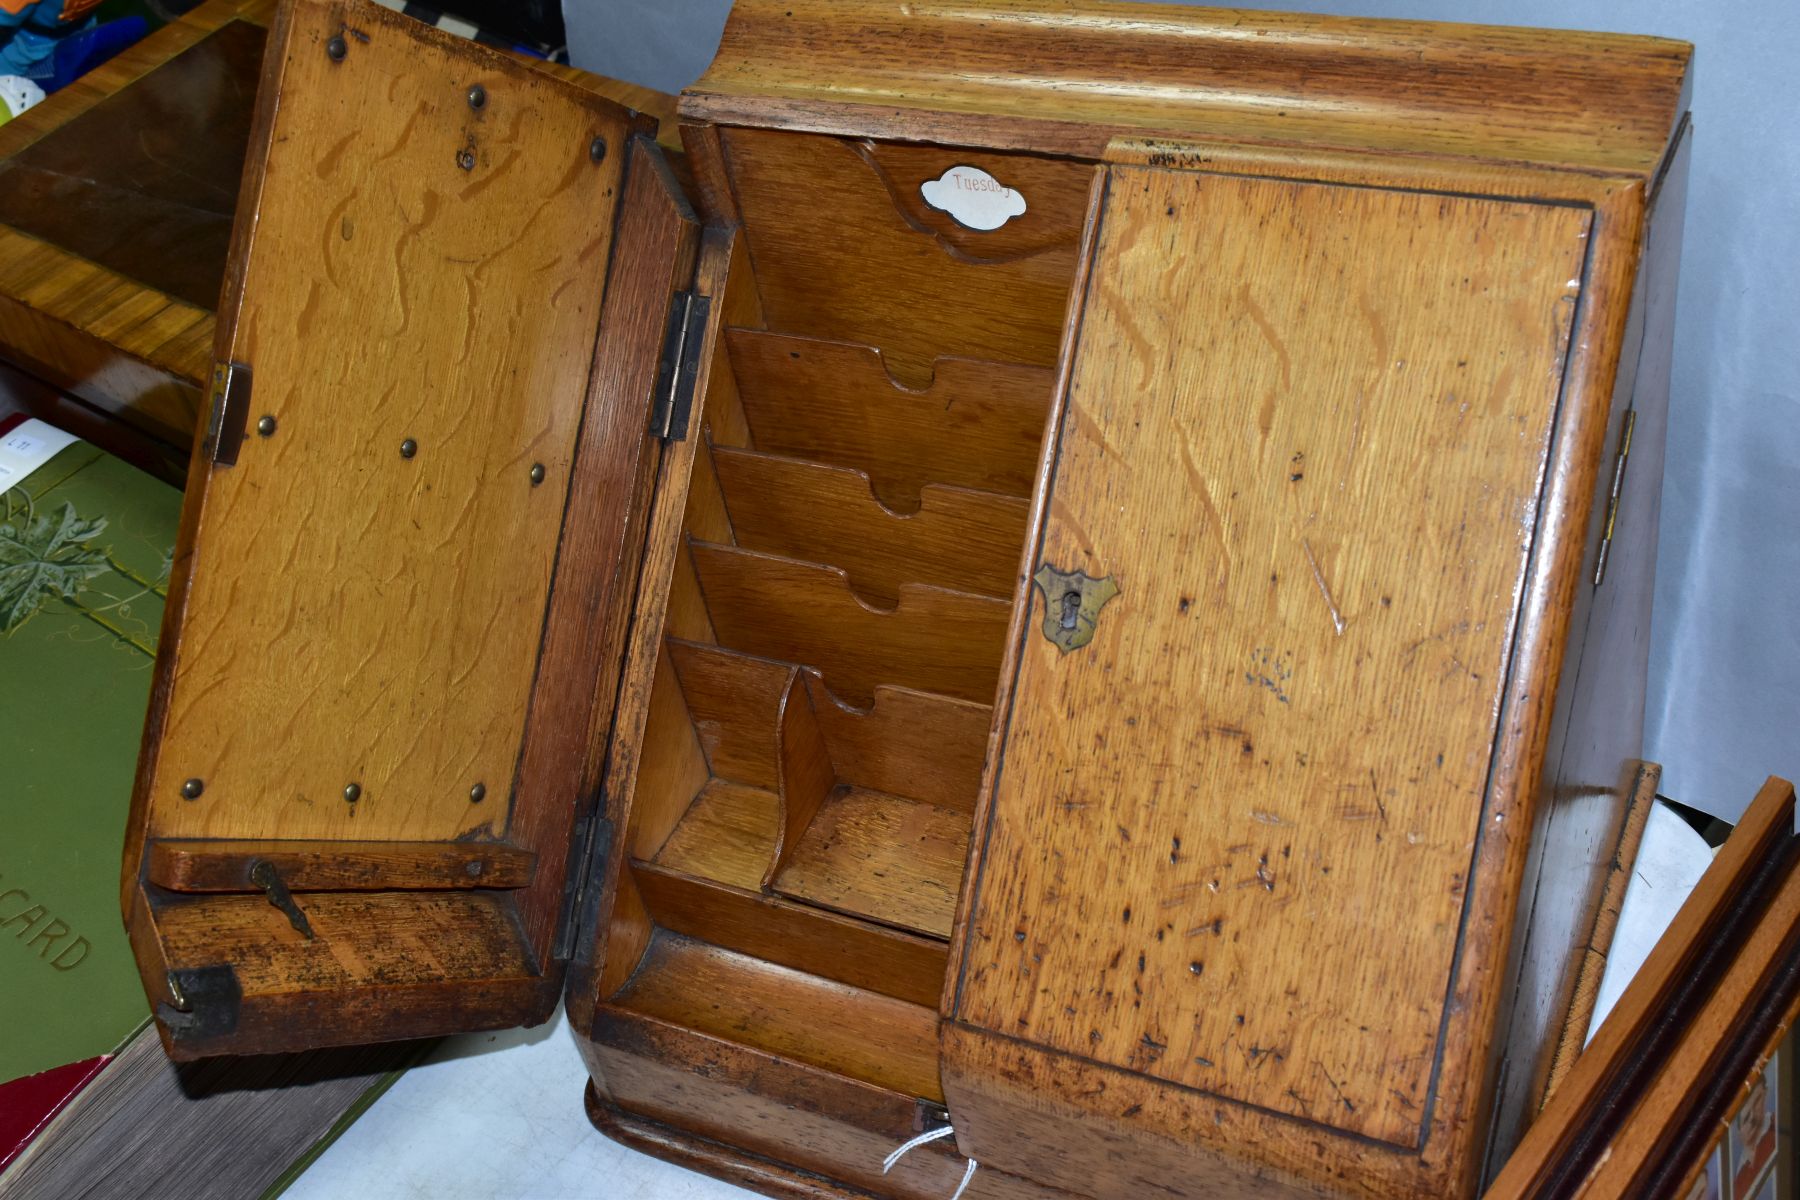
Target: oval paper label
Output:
[{"x": 973, "y": 197}]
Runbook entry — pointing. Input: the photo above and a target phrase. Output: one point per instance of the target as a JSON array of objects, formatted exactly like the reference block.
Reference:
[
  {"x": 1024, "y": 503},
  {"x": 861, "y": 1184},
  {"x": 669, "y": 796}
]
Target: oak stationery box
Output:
[{"x": 1081, "y": 570}]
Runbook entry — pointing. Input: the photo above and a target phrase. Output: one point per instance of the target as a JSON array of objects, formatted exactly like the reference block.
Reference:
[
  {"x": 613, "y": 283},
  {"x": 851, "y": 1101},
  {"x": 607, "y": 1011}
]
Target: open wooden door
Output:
[{"x": 409, "y": 545}]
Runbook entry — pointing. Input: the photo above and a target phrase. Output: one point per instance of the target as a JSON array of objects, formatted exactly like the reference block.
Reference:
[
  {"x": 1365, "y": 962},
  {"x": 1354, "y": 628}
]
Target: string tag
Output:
[{"x": 931, "y": 1135}]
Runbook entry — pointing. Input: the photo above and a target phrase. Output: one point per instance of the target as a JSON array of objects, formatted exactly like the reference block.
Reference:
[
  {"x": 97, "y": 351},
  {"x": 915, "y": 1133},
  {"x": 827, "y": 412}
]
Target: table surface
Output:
[{"x": 495, "y": 1117}]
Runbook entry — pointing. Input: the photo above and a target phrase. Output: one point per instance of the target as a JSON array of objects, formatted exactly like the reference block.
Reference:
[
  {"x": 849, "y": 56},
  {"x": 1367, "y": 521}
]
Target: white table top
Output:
[{"x": 494, "y": 1117}]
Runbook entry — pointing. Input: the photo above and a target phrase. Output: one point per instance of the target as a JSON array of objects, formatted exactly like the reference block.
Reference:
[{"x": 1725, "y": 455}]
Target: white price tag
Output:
[{"x": 27, "y": 448}]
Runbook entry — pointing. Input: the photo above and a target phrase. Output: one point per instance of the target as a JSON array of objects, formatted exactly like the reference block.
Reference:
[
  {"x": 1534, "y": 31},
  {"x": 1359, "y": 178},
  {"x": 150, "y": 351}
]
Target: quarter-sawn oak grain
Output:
[{"x": 1313, "y": 338}]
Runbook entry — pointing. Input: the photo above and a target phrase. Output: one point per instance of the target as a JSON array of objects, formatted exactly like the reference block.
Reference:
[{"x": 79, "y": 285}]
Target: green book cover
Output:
[{"x": 85, "y": 545}]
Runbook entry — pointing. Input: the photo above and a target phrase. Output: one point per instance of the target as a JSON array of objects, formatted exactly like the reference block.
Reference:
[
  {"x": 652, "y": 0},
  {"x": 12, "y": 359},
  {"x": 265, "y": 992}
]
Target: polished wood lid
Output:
[{"x": 1070, "y": 77}]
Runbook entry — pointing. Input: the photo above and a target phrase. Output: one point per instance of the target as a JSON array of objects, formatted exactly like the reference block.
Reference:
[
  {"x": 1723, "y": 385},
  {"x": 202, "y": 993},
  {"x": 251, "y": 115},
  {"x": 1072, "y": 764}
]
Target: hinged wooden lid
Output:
[
  {"x": 405, "y": 563},
  {"x": 1070, "y": 76}
]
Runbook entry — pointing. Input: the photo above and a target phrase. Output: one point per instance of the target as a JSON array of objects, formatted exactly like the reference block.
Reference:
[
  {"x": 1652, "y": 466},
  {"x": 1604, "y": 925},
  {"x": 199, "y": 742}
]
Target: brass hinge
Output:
[
  {"x": 228, "y": 410},
  {"x": 680, "y": 367},
  {"x": 1612, "y": 500}
]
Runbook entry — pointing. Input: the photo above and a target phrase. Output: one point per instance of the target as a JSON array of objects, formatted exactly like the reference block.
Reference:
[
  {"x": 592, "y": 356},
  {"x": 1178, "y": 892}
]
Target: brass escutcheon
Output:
[{"x": 1072, "y": 604}]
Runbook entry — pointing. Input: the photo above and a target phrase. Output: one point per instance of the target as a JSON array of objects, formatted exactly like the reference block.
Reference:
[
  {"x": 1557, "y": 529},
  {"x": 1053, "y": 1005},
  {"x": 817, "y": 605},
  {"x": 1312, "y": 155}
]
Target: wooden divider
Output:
[
  {"x": 807, "y": 778},
  {"x": 908, "y": 743},
  {"x": 853, "y": 549},
  {"x": 958, "y": 538},
  {"x": 735, "y": 703},
  {"x": 935, "y": 640},
  {"x": 798, "y": 935},
  {"x": 978, "y": 425},
  {"x": 863, "y": 812}
]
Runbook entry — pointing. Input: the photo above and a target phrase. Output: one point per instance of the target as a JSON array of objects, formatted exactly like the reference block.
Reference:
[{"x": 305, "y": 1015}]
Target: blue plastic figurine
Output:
[
  {"x": 51, "y": 42},
  {"x": 36, "y": 29}
]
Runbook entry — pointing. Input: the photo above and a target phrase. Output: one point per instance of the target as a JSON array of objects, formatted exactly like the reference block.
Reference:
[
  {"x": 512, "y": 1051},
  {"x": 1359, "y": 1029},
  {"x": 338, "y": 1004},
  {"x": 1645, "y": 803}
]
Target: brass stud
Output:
[
  {"x": 265, "y": 426},
  {"x": 537, "y": 474},
  {"x": 478, "y": 793},
  {"x": 192, "y": 788},
  {"x": 597, "y": 149},
  {"x": 335, "y": 49},
  {"x": 352, "y": 792},
  {"x": 408, "y": 448},
  {"x": 477, "y": 97}
]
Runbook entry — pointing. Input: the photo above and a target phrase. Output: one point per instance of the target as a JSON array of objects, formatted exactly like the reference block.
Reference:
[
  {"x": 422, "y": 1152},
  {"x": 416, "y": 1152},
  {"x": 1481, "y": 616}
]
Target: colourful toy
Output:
[
  {"x": 16, "y": 95},
  {"x": 54, "y": 41},
  {"x": 37, "y": 27}
]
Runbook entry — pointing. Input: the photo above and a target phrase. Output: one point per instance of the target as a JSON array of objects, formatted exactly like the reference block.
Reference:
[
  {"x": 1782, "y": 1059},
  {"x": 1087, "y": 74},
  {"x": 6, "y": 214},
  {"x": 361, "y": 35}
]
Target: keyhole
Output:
[
  {"x": 1071, "y": 606},
  {"x": 1072, "y": 603}
]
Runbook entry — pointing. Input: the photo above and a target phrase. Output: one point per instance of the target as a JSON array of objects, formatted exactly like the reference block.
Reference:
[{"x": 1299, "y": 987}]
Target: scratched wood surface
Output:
[
  {"x": 1305, "y": 435},
  {"x": 406, "y": 964},
  {"x": 362, "y": 939},
  {"x": 389, "y": 644},
  {"x": 226, "y": 866}
]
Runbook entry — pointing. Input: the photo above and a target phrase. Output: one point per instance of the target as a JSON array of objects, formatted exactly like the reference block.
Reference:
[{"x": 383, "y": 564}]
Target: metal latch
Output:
[
  {"x": 1612, "y": 500},
  {"x": 264, "y": 876},
  {"x": 680, "y": 367},
  {"x": 228, "y": 410}
]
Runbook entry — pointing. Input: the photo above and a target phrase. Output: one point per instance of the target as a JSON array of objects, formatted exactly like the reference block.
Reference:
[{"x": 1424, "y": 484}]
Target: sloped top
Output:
[{"x": 1069, "y": 77}]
